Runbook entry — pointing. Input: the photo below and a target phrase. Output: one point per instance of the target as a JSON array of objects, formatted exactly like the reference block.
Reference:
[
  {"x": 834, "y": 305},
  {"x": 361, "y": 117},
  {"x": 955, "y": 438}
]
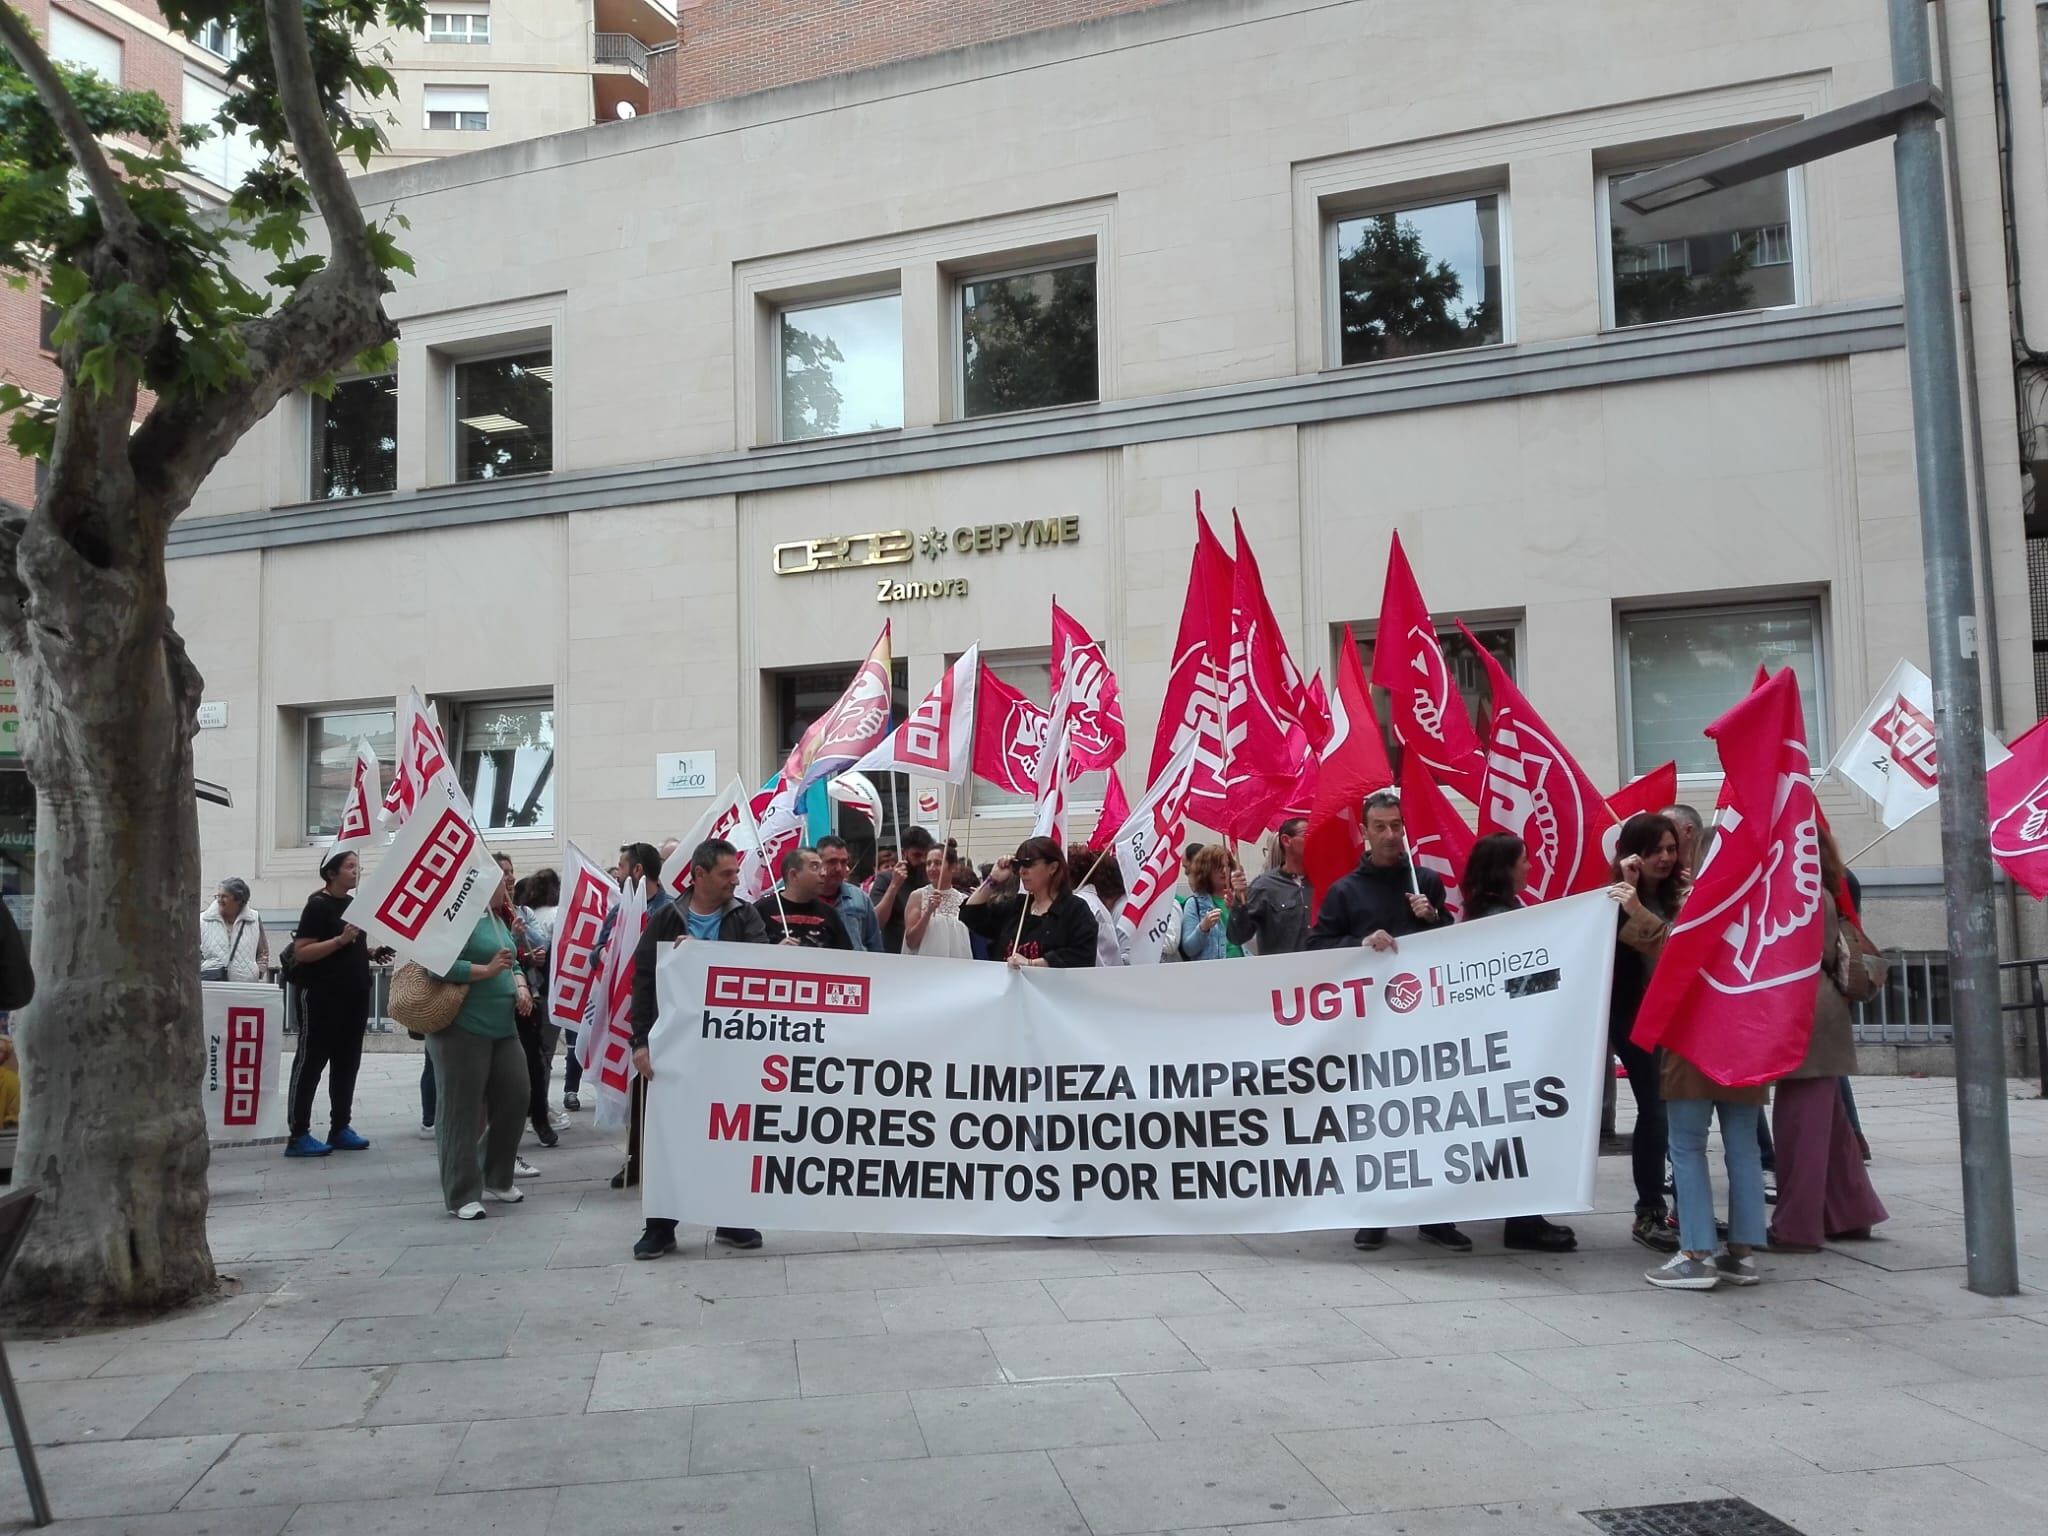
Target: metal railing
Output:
[
  {"x": 1913, "y": 1008},
  {"x": 2029, "y": 996},
  {"x": 381, "y": 1022},
  {"x": 622, "y": 48}
]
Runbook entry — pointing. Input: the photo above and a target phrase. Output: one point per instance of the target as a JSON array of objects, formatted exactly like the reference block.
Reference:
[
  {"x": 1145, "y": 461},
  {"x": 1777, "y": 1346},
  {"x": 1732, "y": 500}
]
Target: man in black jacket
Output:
[
  {"x": 710, "y": 911},
  {"x": 1377, "y": 904}
]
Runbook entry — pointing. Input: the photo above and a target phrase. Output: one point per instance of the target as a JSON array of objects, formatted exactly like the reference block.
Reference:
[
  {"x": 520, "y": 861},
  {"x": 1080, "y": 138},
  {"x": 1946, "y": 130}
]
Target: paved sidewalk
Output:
[{"x": 388, "y": 1370}]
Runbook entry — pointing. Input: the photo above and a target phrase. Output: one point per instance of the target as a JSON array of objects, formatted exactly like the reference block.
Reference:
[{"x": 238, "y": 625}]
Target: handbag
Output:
[
  {"x": 220, "y": 972},
  {"x": 421, "y": 1001},
  {"x": 1860, "y": 966}
]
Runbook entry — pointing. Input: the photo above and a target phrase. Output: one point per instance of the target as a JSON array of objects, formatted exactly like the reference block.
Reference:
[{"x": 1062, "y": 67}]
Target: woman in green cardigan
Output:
[{"x": 480, "y": 1069}]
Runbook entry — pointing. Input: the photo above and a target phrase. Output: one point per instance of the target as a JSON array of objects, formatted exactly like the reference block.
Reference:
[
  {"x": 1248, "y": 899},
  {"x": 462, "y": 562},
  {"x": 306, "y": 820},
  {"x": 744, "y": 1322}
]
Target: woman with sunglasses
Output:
[{"x": 1046, "y": 924}]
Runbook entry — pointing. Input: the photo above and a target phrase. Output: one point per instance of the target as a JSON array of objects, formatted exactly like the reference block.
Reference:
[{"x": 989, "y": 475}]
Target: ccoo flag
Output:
[
  {"x": 587, "y": 895},
  {"x": 1889, "y": 753},
  {"x": 936, "y": 739}
]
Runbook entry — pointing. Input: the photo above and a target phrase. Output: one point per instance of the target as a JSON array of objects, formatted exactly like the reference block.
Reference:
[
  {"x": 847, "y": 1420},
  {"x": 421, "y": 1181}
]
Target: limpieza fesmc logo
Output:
[
  {"x": 1513, "y": 973},
  {"x": 788, "y": 993}
]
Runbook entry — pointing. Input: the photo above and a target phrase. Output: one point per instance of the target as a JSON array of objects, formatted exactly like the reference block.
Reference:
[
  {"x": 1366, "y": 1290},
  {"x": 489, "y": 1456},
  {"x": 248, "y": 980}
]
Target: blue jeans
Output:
[{"x": 1689, "y": 1120}]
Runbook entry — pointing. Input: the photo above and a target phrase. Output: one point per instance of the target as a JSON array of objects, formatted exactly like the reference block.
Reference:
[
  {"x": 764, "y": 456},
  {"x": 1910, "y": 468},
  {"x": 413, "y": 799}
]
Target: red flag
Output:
[
  {"x": 1438, "y": 839},
  {"x": 1009, "y": 735},
  {"x": 1316, "y": 718},
  {"x": 2018, "y": 791},
  {"x": 1733, "y": 991},
  {"x": 1116, "y": 810},
  {"x": 1353, "y": 765},
  {"x": 1647, "y": 795},
  {"x": 1266, "y": 742},
  {"x": 1535, "y": 789},
  {"x": 1096, "y": 731},
  {"x": 1192, "y": 709},
  {"x": 1429, "y": 712}
]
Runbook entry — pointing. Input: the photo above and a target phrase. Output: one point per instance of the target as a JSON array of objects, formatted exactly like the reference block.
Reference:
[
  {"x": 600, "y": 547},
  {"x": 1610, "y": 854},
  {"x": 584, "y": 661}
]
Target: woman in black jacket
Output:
[
  {"x": 1496, "y": 874},
  {"x": 1046, "y": 925}
]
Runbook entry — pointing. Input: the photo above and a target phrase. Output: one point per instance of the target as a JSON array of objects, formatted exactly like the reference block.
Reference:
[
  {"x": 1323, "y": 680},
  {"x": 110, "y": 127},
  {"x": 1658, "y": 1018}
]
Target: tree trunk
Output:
[{"x": 113, "y": 1131}]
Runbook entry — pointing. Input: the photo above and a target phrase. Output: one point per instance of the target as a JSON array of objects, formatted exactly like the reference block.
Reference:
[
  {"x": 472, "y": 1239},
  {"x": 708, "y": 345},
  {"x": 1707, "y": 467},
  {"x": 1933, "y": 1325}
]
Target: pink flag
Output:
[
  {"x": 573, "y": 970},
  {"x": 936, "y": 740},
  {"x": 1097, "y": 732},
  {"x": 1009, "y": 734},
  {"x": 851, "y": 728},
  {"x": 1266, "y": 741},
  {"x": 1192, "y": 709},
  {"x": 1438, "y": 839},
  {"x": 1116, "y": 810},
  {"x": 1536, "y": 789},
  {"x": 1353, "y": 765},
  {"x": 1428, "y": 711},
  {"x": 1734, "y": 989},
  {"x": 2018, "y": 792}
]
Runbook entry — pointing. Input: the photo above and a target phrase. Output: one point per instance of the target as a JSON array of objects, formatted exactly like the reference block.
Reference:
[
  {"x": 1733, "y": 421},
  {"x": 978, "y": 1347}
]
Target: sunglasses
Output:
[{"x": 1028, "y": 863}]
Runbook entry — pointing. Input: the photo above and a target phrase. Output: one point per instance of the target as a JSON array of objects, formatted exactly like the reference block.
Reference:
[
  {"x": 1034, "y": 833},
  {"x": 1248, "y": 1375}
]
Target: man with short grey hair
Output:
[
  {"x": 1274, "y": 909},
  {"x": 1692, "y": 837}
]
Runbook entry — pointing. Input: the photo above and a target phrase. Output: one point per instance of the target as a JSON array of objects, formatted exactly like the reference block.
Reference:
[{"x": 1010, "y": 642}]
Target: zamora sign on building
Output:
[{"x": 900, "y": 546}]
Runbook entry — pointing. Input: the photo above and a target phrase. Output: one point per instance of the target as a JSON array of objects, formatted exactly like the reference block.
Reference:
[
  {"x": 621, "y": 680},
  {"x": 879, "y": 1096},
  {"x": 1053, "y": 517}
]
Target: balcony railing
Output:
[{"x": 624, "y": 49}]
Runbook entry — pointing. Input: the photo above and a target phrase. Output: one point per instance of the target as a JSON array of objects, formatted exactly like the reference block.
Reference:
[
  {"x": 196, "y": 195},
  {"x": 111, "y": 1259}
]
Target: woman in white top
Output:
[
  {"x": 232, "y": 944},
  {"x": 1099, "y": 882},
  {"x": 931, "y": 925}
]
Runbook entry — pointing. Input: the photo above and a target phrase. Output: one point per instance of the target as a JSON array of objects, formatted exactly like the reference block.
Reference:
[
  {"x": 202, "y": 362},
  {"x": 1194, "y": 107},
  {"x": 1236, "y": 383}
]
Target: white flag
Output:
[
  {"x": 423, "y": 757},
  {"x": 780, "y": 828},
  {"x": 605, "y": 1048},
  {"x": 365, "y": 800},
  {"x": 1049, "y": 784},
  {"x": 433, "y": 883},
  {"x": 1889, "y": 754},
  {"x": 726, "y": 818},
  {"x": 1147, "y": 849},
  {"x": 936, "y": 739},
  {"x": 587, "y": 895}
]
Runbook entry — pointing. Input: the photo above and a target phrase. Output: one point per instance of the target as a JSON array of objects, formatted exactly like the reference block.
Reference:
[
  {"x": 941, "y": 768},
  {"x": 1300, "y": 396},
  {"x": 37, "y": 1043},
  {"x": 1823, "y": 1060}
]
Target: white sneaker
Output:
[
  {"x": 1683, "y": 1272},
  {"x": 522, "y": 1169},
  {"x": 558, "y": 1121},
  {"x": 426, "y": 1133},
  {"x": 504, "y": 1196},
  {"x": 470, "y": 1212}
]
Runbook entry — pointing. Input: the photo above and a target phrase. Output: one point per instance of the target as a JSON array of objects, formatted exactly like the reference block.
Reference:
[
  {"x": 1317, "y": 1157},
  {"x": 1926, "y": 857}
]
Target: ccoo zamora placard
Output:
[{"x": 1455, "y": 1079}]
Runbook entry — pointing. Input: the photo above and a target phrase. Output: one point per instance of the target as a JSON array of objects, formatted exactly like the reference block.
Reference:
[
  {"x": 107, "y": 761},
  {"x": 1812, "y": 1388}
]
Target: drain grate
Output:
[{"x": 1702, "y": 1517}]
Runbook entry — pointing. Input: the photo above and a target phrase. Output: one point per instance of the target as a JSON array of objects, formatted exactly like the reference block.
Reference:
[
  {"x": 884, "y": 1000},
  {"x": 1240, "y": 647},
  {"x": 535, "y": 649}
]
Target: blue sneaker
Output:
[
  {"x": 346, "y": 1140},
  {"x": 306, "y": 1146}
]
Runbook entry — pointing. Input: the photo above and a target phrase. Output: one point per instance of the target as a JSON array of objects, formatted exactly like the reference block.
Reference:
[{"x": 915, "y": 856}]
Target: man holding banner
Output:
[
  {"x": 1385, "y": 899},
  {"x": 711, "y": 913}
]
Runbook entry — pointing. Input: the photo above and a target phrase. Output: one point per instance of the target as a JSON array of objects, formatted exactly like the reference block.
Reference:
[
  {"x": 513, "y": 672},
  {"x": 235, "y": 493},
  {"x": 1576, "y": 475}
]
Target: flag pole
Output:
[
  {"x": 1887, "y": 832},
  {"x": 1414, "y": 875}
]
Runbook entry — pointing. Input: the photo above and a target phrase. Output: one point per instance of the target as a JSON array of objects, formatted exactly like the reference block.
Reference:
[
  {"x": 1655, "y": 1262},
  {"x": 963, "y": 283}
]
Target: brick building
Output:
[
  {"x": 736, "y": 47},
  {"x": 127, "y": 41}
]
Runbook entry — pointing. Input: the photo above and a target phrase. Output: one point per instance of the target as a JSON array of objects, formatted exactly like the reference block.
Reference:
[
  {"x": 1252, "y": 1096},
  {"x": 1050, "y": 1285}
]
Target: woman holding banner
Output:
[
  {"x": 1099, "y": 882},
  {"x": 1046, "y": 924},
  {"x": 481, "y": 1069},
  {"x": 1203, "y": 935},
  {"x": 931, "y": 925},
  {"x": 1496, "y": 874}
]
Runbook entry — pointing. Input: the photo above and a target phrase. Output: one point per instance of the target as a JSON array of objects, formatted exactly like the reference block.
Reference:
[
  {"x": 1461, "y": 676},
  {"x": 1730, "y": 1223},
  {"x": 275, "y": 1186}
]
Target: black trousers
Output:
[
  {"x": 330, "y": 1041},
  {"x": 1650, "y": 1145},
  {"x": 536, "y": 1076}
]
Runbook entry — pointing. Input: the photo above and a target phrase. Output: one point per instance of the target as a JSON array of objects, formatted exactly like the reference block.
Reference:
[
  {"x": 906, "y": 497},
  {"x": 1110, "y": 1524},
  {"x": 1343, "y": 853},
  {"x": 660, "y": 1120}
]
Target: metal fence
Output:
[
  {"x": 1913, "y": 1007},
  {"x": 622, "y": 48},
  {"x": 381, "y": 1022}
]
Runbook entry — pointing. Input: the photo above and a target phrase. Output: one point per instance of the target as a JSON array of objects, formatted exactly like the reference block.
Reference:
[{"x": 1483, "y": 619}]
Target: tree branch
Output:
[
  {"x": 116, "y": 217},
  {"x": 298, "y": 97}
]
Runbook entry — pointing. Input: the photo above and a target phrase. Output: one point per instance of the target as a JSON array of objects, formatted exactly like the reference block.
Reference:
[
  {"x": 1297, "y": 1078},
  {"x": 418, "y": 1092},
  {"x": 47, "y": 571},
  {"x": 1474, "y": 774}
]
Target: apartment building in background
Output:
[{"x": 491, "y": 72}]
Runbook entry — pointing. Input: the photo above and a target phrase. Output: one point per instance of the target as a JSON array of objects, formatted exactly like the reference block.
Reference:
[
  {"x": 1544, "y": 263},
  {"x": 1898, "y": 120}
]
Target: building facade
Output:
[
  {"x": 491, "y": 72},
  {"x": 687, "y": 407}
]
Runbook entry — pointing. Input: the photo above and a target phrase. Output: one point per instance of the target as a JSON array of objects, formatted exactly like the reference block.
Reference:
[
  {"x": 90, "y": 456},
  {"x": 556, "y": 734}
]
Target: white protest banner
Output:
[
  {"x": 587, "y": 894},
  {"x": 243, "y": 1081},
  {"x": 1889, "y": 753},
  {"x": 1455, "y": 1079},
  {"x": 433, "y": 883}
]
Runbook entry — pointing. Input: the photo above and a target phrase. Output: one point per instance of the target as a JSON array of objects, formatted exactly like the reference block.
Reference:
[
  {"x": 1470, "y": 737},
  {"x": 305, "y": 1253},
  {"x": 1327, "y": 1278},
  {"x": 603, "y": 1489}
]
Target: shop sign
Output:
[{"x": 684, "y": 775}]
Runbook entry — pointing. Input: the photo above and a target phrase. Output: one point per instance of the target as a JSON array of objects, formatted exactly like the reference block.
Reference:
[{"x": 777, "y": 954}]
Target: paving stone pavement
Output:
[{"x": 386, "y": 1369}]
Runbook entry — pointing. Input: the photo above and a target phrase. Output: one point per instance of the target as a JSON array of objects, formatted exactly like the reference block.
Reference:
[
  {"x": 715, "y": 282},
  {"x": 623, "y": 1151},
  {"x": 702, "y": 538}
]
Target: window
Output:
[
  {"x": 1719, "y": 254},
  {"x": 1411, "y": 281},
  {"x": 1030, "y": 673},
  {"x": 331, "y": 761},
  {"x": 504, "y": 416},
  {"x": 72, "y": 42},
  {"x": 800, "y": 698},
  {"x": 355, "y": 439},
  {"x": 1028, "y": 340},
  {"x": 1682, "y": 670},
  {"x": 46, "y": 326},
  {"x": 842, "y": 367},
  {"x": 459, "y": 26},
  {"x": 459, "y": 108},
  {"x": 505, "y": 762},
  {"x": 229, "y": 153},
  {"x": 217, "y": 38},
  {"x": 1466, "y": 670}
]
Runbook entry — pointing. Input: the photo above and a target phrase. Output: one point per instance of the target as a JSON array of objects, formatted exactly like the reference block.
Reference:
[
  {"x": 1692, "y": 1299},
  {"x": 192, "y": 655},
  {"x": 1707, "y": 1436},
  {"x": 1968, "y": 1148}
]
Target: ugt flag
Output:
[
  {"x": 1734, "y": 988},
  {"x": 1193, "y": 707},
  {"x": 1096, "y": 729},
  {"x": 1428, "y": 711},
  {"x": 1889, "y": 754},
  {"x": 2018, "y": 791},
  {"x": 1009, "y": 735}
]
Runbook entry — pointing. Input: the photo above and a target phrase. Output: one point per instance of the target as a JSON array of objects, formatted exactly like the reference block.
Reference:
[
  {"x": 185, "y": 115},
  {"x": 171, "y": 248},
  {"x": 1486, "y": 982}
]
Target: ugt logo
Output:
[
  {"x": 1404, "y": 992},
  {"x": 425, "y": 882}
]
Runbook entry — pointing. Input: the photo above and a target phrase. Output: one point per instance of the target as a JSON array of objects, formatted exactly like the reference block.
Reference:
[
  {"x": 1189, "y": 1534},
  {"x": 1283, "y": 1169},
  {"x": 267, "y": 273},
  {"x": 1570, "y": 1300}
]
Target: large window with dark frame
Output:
[
  {"x": 1027, "y": 340},
  {"x": 1419, "y": 279},
  {"x": 505, "y": 415},
  {"x": 355, "y": 439}
]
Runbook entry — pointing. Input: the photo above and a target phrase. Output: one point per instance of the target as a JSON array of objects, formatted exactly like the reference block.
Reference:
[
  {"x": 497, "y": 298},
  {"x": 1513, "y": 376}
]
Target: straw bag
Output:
[{"x": 421, "y": 1001}]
